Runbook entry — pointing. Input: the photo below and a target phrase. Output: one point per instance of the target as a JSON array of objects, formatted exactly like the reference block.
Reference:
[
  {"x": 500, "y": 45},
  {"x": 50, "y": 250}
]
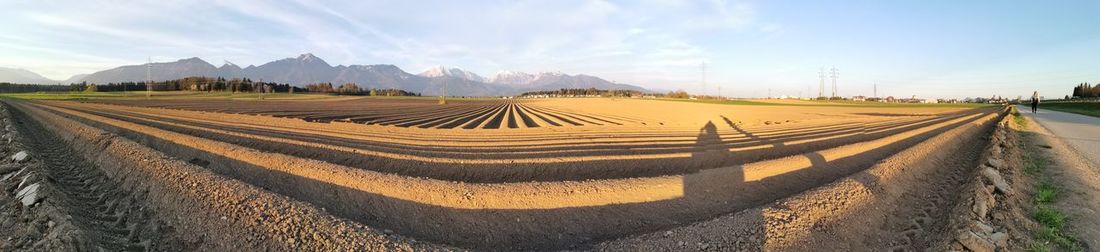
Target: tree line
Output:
[
  {"x": 1086, "y": 90},
  {"x": 204, "y": 84},
  {"x": 585, "y": 92},
  {"x": 353, "y": 89},
  {"x": 31, "y": 88}
]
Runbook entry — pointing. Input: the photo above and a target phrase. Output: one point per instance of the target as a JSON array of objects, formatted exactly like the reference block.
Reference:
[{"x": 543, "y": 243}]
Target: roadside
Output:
[
  {"x": 1078, "y": 131},
  {"x": 1064, "y": 150}
]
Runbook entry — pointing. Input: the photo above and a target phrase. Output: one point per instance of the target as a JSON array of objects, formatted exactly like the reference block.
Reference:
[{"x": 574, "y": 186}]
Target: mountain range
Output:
[
  {"x": 307, "y": 68},
  {"x": 15, "y": 75}
]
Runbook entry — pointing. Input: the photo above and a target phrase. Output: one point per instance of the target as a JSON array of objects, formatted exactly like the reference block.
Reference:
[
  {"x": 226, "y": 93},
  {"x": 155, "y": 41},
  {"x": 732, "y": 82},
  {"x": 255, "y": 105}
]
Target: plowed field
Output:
[{"x": 547, "y": 174}]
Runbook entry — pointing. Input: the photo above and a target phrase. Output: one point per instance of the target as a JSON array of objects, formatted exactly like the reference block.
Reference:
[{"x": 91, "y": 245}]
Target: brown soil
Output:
[
  {"x": 861, "y": 211},
  {"x": 779, "y": 177}
]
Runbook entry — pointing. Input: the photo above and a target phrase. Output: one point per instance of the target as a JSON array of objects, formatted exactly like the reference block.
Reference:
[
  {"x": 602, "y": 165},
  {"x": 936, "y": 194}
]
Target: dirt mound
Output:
[
  {"x": 33, "y": 214},
  {"x": 991, "y": 214}
]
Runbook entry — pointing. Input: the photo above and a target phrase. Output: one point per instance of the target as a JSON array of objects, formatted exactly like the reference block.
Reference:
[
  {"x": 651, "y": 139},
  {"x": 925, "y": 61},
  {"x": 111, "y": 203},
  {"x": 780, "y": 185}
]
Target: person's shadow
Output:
[{"x": 709, "y": 151}]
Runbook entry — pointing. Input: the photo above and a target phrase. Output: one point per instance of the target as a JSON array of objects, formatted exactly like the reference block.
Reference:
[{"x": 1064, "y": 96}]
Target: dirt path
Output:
[{"x": 1073, "y": 172}]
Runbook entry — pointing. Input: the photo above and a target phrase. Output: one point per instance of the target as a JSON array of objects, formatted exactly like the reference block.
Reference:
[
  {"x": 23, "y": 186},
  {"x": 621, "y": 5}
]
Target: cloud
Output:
[{"x": 639, "y": 42}]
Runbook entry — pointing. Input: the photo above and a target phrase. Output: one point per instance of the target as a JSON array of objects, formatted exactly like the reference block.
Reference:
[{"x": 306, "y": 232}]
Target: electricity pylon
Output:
[
  {"x": 834, "y": 74},
  {"x": 821, "y": 76}
]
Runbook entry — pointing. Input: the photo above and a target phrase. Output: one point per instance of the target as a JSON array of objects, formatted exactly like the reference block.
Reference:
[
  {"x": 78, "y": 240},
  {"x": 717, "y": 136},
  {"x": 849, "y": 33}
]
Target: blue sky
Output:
[{"x": 923, "y": 48}]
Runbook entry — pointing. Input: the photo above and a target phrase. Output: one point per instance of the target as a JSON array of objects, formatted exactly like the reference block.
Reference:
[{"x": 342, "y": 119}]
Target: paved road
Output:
[{"x": 1081, "y": 132}]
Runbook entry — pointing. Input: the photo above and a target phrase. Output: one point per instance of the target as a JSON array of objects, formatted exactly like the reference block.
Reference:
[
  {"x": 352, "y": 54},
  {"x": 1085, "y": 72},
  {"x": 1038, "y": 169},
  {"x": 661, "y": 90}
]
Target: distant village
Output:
[
  {"x": 996, "y": 99},
  {"x": 592, "y": 92}
]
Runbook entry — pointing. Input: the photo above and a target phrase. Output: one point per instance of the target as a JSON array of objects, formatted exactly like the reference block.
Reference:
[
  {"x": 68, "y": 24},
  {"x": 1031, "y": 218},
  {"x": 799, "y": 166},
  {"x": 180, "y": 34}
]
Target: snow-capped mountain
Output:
[
  {"x": 512, "y": 78},
  {"x": 307, "y": 68},
  {"x": 554, "y": 81},
  {"x": 441, "y": 71},
  {"x": 302, "y": 70},
  {"x": 230, "y": 70}
]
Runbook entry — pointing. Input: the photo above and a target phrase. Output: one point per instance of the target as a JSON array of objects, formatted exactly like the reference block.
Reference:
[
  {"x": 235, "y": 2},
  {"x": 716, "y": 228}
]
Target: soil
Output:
[{"x": 779, "y": 178}]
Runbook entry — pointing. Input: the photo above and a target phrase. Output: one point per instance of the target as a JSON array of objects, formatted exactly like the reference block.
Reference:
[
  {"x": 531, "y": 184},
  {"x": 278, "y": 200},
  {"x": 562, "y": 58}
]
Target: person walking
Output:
[{"x": 1034, "y": 102}]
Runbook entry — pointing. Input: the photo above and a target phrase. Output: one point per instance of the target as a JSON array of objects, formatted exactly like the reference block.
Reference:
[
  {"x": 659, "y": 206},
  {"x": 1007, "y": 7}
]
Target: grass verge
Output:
[
  {"x": 1020, "y": 121},
  {"x": 1084, "y": 108},
  {"x": 1052, "y": 231}
]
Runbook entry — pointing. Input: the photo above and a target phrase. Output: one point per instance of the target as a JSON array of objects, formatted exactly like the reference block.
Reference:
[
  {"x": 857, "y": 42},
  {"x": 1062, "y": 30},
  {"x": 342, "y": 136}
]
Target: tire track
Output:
[{"x": 114, "y": 219}]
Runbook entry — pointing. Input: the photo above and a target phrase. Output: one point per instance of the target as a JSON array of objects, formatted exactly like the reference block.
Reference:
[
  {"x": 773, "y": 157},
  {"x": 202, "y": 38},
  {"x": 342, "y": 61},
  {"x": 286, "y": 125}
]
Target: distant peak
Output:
[
  {"x": 306, "y": 56},
  {"x": 507, "y": 73},
  {"x": 191, "y": 60}
]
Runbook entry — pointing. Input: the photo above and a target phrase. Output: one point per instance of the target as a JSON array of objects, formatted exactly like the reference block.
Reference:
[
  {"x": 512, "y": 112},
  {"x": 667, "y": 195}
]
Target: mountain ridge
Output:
[
  {"x": 308, "y": 68},
  {"x": 19, "y": 75}
]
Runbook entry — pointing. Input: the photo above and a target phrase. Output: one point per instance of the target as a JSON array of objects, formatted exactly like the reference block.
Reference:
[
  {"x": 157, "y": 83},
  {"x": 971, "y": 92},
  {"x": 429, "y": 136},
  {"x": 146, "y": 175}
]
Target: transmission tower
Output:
[
  {"x": 821, "y": 76},
  {"x": 834, "y": 73},
  {"x": 149, "y": 78}
]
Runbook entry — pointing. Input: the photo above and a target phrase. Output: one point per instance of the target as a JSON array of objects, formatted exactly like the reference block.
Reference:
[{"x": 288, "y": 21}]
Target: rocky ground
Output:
[{"x": 993, "y": 210}]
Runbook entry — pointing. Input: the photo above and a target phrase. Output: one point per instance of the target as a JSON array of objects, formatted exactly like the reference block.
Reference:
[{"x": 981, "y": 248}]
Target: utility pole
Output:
[
  {"x": 834, "y": 73},
  {"x": 703, "y": 75},
  {"x": 876, "y": 89},
  {"x": 262, "y": 87},
  {"x": 821, "y": 76},
  {"x": 149, "y": 78},
  {"x": 443, "y": 98}
]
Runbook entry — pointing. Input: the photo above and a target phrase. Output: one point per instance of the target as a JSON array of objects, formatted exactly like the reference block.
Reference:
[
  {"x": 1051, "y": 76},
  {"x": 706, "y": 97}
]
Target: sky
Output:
[{"x": 930, "y": 49}]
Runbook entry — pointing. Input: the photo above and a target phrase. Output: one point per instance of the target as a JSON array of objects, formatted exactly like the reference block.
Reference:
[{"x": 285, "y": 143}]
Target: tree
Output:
[
  {"x": 373, "y": 92},
  {"x": 90, "y": 88},
  {"x": 349, "y": 89},
  {"x": 679, "y": 94},
  {"x": 319, "y": 88}
]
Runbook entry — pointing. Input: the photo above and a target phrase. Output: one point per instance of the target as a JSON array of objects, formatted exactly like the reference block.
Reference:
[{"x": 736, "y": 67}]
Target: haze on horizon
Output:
[{"x": 936, "y": 49}]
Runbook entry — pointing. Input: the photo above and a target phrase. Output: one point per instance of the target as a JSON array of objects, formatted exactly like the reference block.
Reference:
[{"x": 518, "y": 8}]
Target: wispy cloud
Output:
[{"x": 649, "y": 42}]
